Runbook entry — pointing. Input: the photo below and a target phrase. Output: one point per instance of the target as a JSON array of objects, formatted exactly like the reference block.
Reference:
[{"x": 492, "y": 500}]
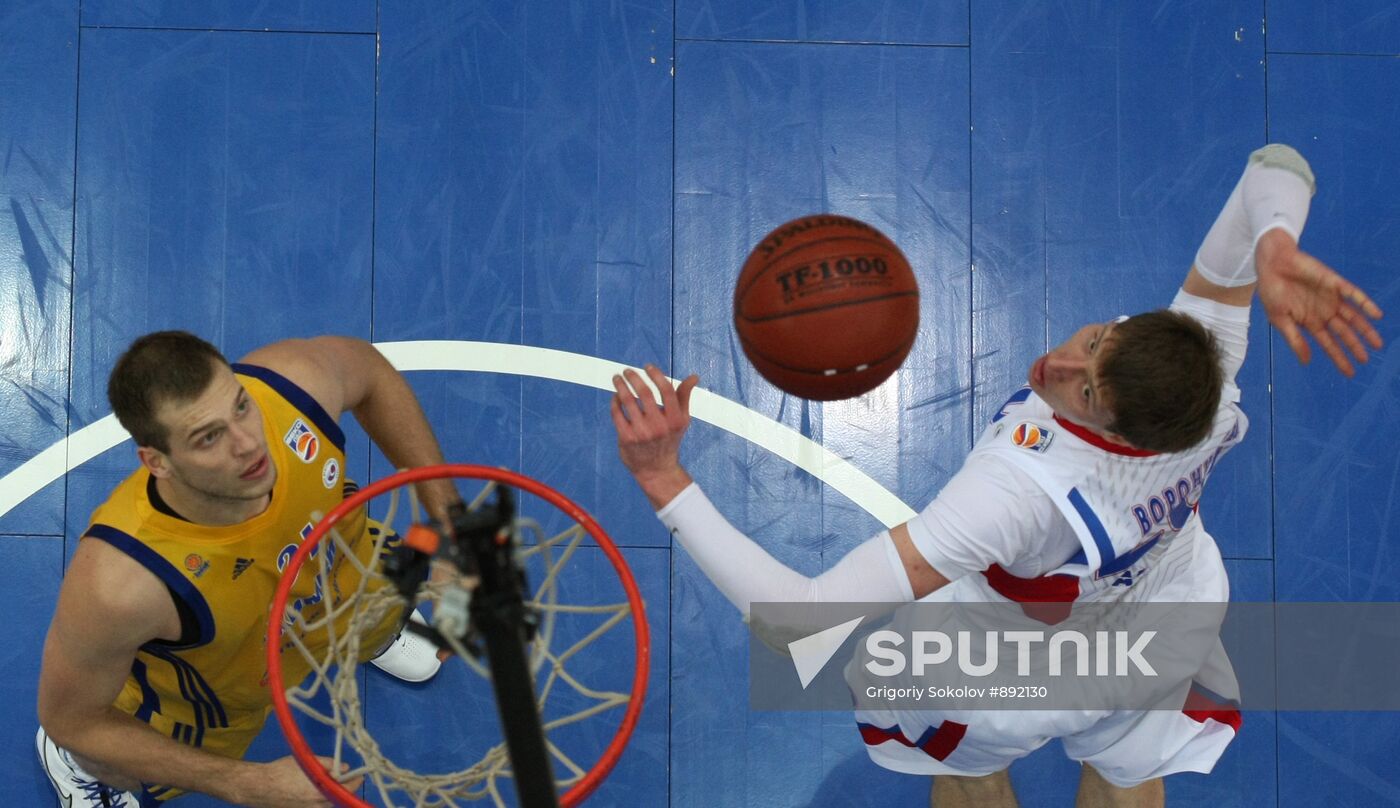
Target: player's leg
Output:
[
  {"x": 990, "y": 791},
  {"x": 391, "y": 646},
  {"x": 1126, "y": 755},
  {"x": 408, "y": 656},
  {"x": 1096, "y": 792},
  {"x": 967, "y": 752}
]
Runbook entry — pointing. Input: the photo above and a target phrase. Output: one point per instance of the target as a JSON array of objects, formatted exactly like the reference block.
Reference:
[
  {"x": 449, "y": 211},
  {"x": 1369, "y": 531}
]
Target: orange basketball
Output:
[{"x": 826, "y": 307}]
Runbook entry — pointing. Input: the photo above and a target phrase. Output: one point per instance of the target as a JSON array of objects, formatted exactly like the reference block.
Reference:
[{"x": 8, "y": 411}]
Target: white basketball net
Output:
[{"x": 345, "y": 622}]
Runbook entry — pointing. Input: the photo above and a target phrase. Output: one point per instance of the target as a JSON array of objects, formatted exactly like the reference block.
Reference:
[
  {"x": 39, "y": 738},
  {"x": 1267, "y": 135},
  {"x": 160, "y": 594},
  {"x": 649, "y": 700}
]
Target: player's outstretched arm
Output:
[
  {"x": 887, "y": 568},
  {"x": 348, "y": 374},
  {"x": 107, "y": 608},
  {"x": 1253, "y": 245}
]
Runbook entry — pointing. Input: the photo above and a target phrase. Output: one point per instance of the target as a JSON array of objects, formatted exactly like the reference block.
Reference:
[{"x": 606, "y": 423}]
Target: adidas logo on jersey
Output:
[{"x": 241, "y": 566}]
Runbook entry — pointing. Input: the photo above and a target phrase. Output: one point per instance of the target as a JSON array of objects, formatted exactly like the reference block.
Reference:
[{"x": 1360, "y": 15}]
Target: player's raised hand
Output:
[
  {"x": 1300, "y": 293},
  {"x": 648, "y": 435}
]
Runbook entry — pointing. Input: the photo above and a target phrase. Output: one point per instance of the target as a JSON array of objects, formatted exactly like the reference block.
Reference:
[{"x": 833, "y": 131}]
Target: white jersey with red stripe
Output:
[
  {"x": 1141, "y": 540},
  {"x": 1125, "y": 746},
  {"x": 1134, "y": 516},
  {"x": 1125, "y": 506}
]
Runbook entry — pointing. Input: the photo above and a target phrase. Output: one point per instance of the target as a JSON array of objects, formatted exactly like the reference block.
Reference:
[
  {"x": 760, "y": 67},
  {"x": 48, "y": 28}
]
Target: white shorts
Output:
[{"x": 1126, "y": 747}]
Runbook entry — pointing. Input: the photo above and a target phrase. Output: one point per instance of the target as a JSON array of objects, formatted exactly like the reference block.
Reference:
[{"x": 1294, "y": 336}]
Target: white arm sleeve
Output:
[
  {"x": 1273, "y": 193},
  {"x": 745, "y": 573},
  {"x": 1230, "y": 325}
]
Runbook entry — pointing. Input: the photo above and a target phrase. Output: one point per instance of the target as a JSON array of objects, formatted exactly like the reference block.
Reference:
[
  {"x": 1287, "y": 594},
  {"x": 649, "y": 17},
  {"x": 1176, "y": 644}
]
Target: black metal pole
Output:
[
  {"x": 520, "y": 717},
  {"x": 499, "y": 613}
]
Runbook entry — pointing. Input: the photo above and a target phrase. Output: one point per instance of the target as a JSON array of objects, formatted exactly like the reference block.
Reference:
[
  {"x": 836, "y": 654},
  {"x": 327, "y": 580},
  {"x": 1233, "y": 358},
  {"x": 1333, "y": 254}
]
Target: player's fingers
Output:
[
  {"x": 683, "y": 394},
  {"x": 1334, "y": 352},
  {"x": 1295, "y": 340},
  {"x": 1345, "y": 289},
  {"x": 1353, "y": 295},
  {"x": 1357, "y": 319},
  {"x": 663, "y": 385},
  {"x": 624, "y": 428},
  {"x": 338, "y": 771},
  {"x": 646, "y": 399},
  {"x": 640, "y": 390},
  {"x": 625, "y": 399},
  {"x": 1347, "y": 335}
]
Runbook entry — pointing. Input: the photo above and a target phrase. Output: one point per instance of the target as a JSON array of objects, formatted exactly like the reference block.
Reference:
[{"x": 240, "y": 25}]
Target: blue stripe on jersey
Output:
[
  {"x": 298, "y": 398},
  {"x": 201, "y": 708},
  {"x": 1129, "y": 558},
  {"x": 203, "y": 711},
  {"x": 218, "y": 717},
  {"x": 150, "y": 700},
  {"x": 1096, "y": 528},
  {"x": 1078, "y": 558},
  {"x": 181, "y": 586},
  {"x": 196, "y": 690},
  {"x": 1016, "y": 398}
]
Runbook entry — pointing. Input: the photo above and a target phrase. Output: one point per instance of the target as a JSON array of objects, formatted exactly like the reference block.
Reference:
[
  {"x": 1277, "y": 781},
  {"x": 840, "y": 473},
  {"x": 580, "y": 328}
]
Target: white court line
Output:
[
  {"x": 60, "y": 458},
  {"x": 519, "y": 360}
]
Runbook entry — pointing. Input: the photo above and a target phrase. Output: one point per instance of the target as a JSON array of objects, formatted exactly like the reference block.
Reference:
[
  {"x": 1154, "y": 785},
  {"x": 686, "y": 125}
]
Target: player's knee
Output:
[
  {"x": 1097, "y": 792},
  {"x": 956, "y": 790}
]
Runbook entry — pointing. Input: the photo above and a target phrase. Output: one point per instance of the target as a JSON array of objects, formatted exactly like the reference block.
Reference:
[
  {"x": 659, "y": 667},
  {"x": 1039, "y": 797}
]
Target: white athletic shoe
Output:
[
  {"x": 76, "y": 788},
  {"x": 409, "y": 657}
]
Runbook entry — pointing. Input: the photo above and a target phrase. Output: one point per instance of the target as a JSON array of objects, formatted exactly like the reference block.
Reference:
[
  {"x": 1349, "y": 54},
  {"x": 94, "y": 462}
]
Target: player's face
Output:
[
  {"x": 1066, "y": 378},
  {"x": 218, "y": 449}
]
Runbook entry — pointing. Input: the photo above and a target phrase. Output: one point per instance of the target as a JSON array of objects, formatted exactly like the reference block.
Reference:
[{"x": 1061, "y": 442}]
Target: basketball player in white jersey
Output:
[{"x": 1082, "y": 488}]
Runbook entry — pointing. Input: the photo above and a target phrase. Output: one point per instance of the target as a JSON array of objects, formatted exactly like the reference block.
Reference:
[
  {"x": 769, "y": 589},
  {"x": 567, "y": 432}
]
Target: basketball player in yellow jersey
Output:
[{"x": 154, "y": 680}]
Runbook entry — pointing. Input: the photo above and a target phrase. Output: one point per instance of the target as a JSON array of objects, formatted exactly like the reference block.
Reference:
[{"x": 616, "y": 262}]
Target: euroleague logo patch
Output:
[
  {"x": 196, "y": 565},
  {"x": 330, "y": 472},
  {"x": 301, "y": 440},
  {"x": 1032, "y": 436}
]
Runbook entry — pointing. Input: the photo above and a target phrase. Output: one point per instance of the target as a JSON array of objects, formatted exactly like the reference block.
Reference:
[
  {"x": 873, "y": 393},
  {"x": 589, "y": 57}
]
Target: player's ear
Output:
[{"x": 154, "y": 460}]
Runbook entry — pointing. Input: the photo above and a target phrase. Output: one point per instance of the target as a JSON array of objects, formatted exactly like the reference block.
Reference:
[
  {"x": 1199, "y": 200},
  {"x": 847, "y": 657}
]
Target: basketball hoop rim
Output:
[{"x": 302, "y": 751}]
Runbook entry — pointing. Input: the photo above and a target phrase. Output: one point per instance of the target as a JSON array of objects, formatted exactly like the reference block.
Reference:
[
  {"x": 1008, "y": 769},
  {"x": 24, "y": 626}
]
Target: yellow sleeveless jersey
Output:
[{"x": 211, "y": 690}]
